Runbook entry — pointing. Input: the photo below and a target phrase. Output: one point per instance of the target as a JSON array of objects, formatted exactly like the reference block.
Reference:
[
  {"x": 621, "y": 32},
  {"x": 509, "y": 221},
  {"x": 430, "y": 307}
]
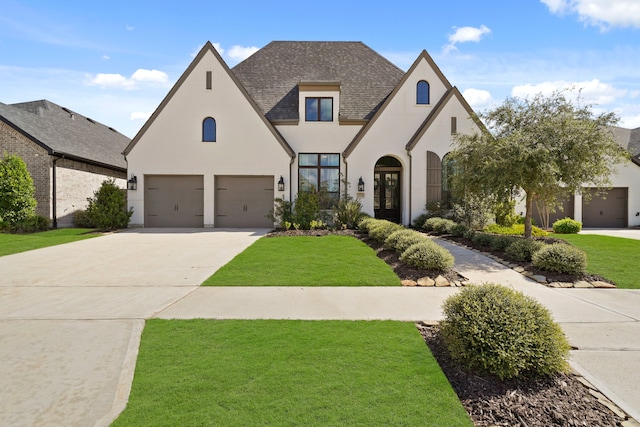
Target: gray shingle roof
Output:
[
  {"x": 271, "y": 76},
  {"x": 62, "y": 131}
]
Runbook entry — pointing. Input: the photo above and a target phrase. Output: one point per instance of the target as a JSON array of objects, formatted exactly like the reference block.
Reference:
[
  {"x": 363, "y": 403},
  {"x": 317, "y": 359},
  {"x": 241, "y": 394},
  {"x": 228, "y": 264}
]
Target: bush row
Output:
[{"x": 415, "y": 248}]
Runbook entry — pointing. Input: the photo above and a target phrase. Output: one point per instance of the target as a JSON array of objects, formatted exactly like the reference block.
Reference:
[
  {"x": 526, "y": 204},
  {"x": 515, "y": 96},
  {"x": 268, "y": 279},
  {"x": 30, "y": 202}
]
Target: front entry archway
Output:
[{"x": 387, "y": 189}]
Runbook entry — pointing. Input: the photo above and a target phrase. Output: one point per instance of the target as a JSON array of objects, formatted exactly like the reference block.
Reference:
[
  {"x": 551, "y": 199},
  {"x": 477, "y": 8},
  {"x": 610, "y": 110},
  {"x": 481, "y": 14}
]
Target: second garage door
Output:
[
  {"x": 243, "y": 201},
  {"x": 606, "y": 213},
  {"x": 173, "y": 201}
]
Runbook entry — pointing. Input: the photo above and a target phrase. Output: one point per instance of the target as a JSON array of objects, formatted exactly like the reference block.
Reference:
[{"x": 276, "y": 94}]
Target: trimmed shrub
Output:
[
  {"x": 17, "y": 192},
  {"x": 494, "y": 329},
  {"x": 469, "y": 234},
  {"x": 107, "y": 208},
  {"x": 567, "y": 226},
  {"x": 561, "y": 258},
  {"x": 482, "y": 239},
  {"x": 81, "y": 219},
  {"x": 400, "y": 240},
  {"x": 365, "y": 223},
  {"x": 514, "y": 230},
  {"x": 439, "y": 225},
  {"x": 428, "y": 255},
  {"x": 383, "y": 229},
  {"x": 500, "y": 243},
  {"x": 523, "y": 249},
  {"x": 32, "y": 224},
  {"x": 459, "y": 230},
  {"x": 419, "y": 221}
]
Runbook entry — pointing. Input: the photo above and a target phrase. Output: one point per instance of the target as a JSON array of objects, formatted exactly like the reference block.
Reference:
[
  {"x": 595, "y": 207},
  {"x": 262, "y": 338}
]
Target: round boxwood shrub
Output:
[
  {"x": 365, "y": 223},
  {"x": 567, "y": 226},
  {"x": 561, "y": 258},
  {"x": 482, "y": 239},
  {"x": 381, "y": 229},
  {"x": 523, "y": 249},
  {"x": 400, "y": 240},
  {"x": 428, "y": 255},
  {"x": 494, "y": 329},
  {"x": 438, "y": 225},
  {"x": 500, "y": 243},
  {"x": 458, "y": 230}
]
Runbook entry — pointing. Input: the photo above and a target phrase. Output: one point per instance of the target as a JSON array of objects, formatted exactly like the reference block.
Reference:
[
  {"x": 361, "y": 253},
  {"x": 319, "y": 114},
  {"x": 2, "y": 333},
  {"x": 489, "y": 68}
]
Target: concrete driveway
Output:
[
  {"x": 627, "y": 233},
  {"x": 71, "y": 317}
]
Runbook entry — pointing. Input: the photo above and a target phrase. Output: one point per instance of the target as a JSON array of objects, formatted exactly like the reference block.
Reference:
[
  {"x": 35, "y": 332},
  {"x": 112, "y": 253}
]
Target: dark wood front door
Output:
[{"x": 386, "y": 202}]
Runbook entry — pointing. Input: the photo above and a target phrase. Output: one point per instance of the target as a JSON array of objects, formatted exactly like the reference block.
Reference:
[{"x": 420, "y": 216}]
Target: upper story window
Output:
[
  {"x": 209, "y": 130},
  {"x": 422, "y": 92},
  {"x": 318, "y": 109}
]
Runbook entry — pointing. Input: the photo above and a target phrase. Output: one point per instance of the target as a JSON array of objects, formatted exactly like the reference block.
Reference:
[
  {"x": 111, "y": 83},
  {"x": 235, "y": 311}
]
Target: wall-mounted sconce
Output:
[
  {"x": 281, "y": 184},
  {"x": 637, "y": 213},
  {"x": 360, "y": 185},
  {"x": 132, "y": 183}
]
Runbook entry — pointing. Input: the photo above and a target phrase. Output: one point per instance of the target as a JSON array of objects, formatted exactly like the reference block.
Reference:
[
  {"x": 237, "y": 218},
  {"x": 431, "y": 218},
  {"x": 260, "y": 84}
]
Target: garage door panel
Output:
[
  {"x": 607, "y": 212},
  {"x": 174, "y": 201},
  {"x": 243, "y": 201}
]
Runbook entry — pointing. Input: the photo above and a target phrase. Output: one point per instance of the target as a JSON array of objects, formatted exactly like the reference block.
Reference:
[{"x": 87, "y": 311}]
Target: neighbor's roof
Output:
[
  {"x": 272, "y": 74},
  {"x": 629, "y": 139},
  {"x": 63, "y": 132}
]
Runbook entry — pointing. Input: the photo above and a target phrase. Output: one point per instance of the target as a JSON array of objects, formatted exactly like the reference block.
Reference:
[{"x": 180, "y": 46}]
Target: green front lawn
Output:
[
  {"x": 14, "y": 243},
  {"x": 612, "y": 257},
  {"x": 306, "y": 261},
  {"x": 288, "y": 373}
]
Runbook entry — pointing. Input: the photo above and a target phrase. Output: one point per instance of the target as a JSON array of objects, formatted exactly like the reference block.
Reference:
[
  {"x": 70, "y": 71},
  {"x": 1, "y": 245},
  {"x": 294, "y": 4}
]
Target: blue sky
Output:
[{"x": 114, "y": 61}]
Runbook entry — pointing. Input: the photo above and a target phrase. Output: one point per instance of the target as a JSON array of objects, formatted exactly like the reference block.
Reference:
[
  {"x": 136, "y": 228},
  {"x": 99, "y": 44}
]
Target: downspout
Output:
[
  {"x": 54, "y": 200},
  {"x": 410, "y": 183},
  {"x": 293, "y": 159}
]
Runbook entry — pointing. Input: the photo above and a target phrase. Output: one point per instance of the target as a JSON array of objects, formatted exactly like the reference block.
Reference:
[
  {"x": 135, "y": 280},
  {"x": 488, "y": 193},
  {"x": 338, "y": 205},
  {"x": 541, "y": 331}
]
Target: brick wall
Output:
[{"x": 38, "y": 163}]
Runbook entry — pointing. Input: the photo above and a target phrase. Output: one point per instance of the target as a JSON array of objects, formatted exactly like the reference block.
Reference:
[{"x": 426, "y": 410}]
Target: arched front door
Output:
[{"x": 386, "y": 199}]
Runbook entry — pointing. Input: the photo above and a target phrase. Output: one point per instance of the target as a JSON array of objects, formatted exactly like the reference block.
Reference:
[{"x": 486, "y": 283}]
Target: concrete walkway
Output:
[{"x": 71, "y": 317}]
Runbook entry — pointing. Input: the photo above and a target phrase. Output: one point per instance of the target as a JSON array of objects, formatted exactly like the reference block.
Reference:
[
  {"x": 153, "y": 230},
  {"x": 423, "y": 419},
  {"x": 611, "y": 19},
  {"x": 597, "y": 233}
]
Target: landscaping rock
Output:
[
  {"x": 518, "y": 269},
  {"x": 426, "y": 281},
  {"x": 582, "y": 284},
  {"x": 539, "y": 278},
  {"x": 441, "y": 281},
  {"x": 601, "y": 284},
  {"x": 407, "y": 282}
]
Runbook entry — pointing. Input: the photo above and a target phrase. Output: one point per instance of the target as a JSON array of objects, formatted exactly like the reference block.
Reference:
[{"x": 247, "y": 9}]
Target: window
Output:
[
  {"x": 208, "y": 80},
  {"x": 422, "y": 93},
  {"x": 434, "y": 177},
  {"x": 454, "y": 125},
  {"x": 209, "y": 130},
  {"x": 319, "y": 109},
  {"x": 320, "y": 172}
]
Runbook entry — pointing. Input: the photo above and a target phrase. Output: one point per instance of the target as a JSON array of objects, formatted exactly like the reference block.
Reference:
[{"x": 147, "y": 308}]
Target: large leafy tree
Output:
[
  {"x": 17, "y": 192},
  {"x": 543, "y": 146}
]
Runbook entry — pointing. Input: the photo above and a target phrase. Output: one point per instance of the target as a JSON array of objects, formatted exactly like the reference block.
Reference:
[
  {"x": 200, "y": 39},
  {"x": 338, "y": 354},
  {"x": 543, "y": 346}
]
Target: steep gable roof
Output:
[
  {"x": 272, "y": 74},
  {"x": 208, "y": 47},
  {"x": 424, "y": 56},
  {"x": 452, "y": 92},
  {"x": 61, "y": 131}
]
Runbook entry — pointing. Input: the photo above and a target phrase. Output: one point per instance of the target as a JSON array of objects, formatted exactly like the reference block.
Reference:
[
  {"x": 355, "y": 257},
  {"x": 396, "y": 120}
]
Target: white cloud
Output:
[
  {"x": 118, "y": 81},
  {"x": 218, "y": 48},
  {"x": 593, "y": 91},
  {"x": 106, "y": 57},
  {"x": 130, "y": 27},
  {"x": 139, "y": 115},
  {"x": 478, "y": 99},
  {"x": 240, "y": 53},
  {"x": 466, "y": 34},
  {"x": 600, "y": 13}
]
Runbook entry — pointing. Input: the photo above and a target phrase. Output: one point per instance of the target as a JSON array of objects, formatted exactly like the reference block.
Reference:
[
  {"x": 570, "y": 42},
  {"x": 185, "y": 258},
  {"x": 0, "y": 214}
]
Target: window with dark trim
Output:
[
  {"x": 209, "y": 130},
  {"x": 208, "y": 80},
  {"x": 454, "y": 125},
  {"x": 320, "y": 172},
  {"x": 318, "y": 109},
  {"x": 422, "y": 93}
]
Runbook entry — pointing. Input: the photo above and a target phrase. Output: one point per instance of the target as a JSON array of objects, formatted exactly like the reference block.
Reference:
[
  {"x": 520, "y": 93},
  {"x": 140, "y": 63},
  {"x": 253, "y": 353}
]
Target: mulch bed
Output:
[{"x": 557, "y": 401}]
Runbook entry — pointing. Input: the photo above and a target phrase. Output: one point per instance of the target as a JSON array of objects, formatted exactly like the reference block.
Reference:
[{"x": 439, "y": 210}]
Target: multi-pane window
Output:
[
  {"x": 318, "y": 109},
  {"x": 319, "y": 172},
  {"x": 422, "y": 92},
  {"x": 209, "y": 130}
]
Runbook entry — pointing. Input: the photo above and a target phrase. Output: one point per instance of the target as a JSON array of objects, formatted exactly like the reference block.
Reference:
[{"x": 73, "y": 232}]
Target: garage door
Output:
[
  {"x": 605, "y": 213},
  {"x": 243, "y": 201},
  {"x": 174, "y": 201},
  {"x": 567, "y": 203}
]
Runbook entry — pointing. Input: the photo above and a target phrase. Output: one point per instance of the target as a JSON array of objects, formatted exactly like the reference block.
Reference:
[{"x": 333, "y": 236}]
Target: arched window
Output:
[
  {"x": 209, "y": 130},
  {"x": 422, "y": 92}
]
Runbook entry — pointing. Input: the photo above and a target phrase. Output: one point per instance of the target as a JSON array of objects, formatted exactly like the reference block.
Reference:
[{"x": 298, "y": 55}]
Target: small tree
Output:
[
  {"x": 544, "y": 146},
  {"x": 17, "y": 192},
  {"x": 107, "y": 208}
]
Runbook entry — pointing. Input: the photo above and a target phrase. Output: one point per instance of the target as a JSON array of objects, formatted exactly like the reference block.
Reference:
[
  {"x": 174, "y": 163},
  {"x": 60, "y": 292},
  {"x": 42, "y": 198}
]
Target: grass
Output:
[
  {"x": 306, "y": 261},
  {"x": 15, "y": 243},
  {"x": 288, "y": 373},
  {"x": 615, "y": 258}
]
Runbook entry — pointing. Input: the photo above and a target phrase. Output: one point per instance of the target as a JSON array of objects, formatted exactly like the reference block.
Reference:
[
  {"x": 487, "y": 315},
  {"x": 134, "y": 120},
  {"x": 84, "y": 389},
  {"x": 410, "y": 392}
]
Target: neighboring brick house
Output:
[{"x": 68, "y": 155}]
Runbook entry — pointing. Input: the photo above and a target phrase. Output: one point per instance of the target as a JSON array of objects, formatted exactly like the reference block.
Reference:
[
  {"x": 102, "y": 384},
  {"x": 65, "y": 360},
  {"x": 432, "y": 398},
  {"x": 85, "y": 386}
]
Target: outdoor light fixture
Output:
[
  {"x": 132, "y": 184},
  {"x": 281, "y": 184},
  {"x": 360, "y": 185}
]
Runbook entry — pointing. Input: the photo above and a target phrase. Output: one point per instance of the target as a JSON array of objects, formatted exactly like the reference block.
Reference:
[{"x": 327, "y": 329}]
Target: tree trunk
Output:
[{"x": 528, "y": 215}]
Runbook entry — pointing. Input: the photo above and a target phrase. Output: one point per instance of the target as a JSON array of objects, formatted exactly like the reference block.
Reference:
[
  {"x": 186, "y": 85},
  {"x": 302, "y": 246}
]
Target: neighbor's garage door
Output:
[
  {"x": 605, "y": 213},
  {"x": 243, "y": 201},
  {"x": 174, "y": 201}
]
